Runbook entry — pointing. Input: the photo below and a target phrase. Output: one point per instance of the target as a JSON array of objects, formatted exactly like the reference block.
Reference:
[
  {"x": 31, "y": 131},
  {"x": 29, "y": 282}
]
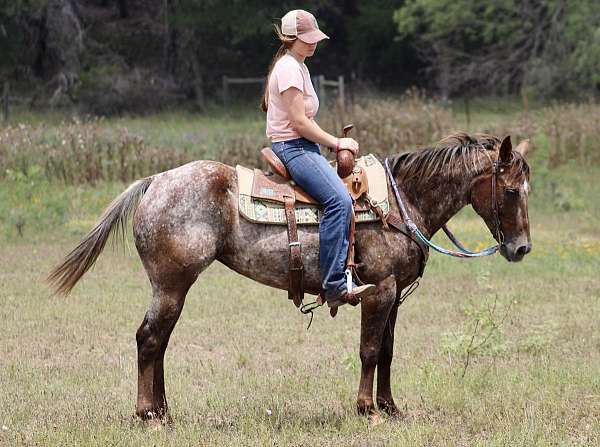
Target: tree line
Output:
[{"x": 128, "y": 54}]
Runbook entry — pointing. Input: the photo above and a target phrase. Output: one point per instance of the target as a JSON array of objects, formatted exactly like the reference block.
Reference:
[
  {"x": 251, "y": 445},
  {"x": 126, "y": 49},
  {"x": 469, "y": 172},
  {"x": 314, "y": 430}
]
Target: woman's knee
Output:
[
  {"x": 347, "y": 202},
  {"x": 341, "y": 201}
]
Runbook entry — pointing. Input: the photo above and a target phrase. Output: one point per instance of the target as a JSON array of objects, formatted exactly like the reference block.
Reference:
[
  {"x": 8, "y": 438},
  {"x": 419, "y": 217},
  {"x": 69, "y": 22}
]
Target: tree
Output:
[
  {"x": 218, "y": 37},
  {"x": 549, "y": 46},
  {"x": 20, "y": 22},
  {"x": 376, "y": 53}
]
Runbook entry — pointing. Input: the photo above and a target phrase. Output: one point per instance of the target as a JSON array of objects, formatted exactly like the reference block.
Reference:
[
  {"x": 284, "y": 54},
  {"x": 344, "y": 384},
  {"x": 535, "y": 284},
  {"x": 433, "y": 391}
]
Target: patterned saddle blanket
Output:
[{"x": 260, "y": 209}]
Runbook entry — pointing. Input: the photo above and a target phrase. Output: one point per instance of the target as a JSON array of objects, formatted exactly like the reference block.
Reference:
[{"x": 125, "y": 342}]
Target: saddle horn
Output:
[{"x": 345, "y": 157}]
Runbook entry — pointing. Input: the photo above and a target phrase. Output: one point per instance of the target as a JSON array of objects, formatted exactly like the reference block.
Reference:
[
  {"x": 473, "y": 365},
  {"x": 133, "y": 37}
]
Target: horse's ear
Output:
[
  {"x": 522, "y": 148},
  {"x": 505, "y": 149}
]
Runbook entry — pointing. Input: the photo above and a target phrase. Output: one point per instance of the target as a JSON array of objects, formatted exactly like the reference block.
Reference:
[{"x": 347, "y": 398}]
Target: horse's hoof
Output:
[
  {"x": 153, "y": 420},
  {"x": 375, "y": 419},
  {"x": 333, "y": 311},
  {"x": 154, "y": 424},
  {"x": 365, "y": 408},
  {"x": 389, "y": 408}
]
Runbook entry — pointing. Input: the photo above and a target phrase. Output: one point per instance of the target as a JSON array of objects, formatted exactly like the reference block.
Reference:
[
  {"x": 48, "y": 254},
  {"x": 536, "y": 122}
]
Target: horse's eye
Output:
[{"x": 511, "y": 192}]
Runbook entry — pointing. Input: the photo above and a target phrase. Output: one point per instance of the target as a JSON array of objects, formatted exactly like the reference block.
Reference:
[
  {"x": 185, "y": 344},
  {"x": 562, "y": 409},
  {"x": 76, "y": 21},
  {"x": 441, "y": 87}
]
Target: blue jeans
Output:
[{"x": 311, "y": 171}]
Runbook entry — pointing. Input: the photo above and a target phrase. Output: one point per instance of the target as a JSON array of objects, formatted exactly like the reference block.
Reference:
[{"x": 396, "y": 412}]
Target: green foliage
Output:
[
  {"x": 233, "y": 36},
  {"x": 461, "y": 22},
  {"x": 14, "y": 38},
  {"x": 114, "y": 149},
  {"x": 11, "y": 8},
  {"x": 376, "y": 54},
  {"x": 481, "y": 336},
  {"x": 77, "y": 153},
  {"x": 548, "y": 48},
  {"x": 388, "y": 126},
  {"x": 25, "y": 204}
]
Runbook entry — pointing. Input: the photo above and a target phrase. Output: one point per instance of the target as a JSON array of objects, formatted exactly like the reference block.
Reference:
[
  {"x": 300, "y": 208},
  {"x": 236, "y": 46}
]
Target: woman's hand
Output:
[{"x": 347, "y": 143}]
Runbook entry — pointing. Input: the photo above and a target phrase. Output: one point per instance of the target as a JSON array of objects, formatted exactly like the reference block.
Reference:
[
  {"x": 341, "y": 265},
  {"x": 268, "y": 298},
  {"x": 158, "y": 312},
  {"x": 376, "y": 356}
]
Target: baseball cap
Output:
[{"x": 302, "y": 24}]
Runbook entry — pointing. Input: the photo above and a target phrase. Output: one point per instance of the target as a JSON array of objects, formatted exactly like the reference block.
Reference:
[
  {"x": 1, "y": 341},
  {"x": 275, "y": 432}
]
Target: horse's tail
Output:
[{"x": 64, "y": 277}]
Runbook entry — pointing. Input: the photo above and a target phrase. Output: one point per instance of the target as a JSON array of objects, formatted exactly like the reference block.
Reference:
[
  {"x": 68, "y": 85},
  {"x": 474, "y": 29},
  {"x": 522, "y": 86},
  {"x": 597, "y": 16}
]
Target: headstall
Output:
[{"x": 498, "y": 166}]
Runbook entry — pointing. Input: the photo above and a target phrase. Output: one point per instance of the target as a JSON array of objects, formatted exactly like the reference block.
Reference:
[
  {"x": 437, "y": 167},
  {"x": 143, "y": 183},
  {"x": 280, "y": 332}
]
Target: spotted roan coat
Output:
[{"x": 186, "y": 218}]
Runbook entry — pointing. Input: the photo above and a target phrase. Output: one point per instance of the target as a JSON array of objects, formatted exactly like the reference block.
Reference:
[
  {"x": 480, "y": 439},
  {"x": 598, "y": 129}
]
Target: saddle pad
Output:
[{"x": 264, "y": 211}]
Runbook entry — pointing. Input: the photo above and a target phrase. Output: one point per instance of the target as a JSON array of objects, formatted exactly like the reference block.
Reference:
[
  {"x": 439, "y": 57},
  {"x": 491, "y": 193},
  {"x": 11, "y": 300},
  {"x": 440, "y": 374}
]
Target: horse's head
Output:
[{"x": 500, "y": 198}]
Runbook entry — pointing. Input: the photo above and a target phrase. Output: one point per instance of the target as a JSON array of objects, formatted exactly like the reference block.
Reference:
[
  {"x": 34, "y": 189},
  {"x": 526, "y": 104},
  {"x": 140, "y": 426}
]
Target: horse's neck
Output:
[{"x": 434, "y": 202}]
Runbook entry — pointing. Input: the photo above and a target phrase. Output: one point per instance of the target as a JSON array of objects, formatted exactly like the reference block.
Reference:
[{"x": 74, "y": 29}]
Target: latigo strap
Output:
[{"x": 296, "y": 288}]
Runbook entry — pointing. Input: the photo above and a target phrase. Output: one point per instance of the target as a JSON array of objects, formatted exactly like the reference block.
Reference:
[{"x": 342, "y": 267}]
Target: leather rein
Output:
[{"x": 463, "y": 252}]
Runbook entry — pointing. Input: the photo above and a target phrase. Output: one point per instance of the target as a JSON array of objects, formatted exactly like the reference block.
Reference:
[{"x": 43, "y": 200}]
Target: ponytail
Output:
[{"x": 286, "y": 44}]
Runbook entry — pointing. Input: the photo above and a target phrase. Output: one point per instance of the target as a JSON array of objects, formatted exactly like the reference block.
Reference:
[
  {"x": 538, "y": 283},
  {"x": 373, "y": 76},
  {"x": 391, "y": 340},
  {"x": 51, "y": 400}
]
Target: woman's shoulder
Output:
[{"x": 287, "y": 62}]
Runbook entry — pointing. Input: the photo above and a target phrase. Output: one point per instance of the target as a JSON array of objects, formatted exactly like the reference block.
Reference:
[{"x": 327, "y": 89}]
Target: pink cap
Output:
[{"x": 302, "y": 24}]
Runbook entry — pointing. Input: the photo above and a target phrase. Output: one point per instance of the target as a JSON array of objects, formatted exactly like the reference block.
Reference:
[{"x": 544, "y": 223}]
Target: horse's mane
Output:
[{"x": 455, "y": 154}]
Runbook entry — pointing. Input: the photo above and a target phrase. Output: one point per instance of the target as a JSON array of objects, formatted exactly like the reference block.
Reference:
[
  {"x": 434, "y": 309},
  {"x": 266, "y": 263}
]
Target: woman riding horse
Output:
[{"x": 291, "y": 104}]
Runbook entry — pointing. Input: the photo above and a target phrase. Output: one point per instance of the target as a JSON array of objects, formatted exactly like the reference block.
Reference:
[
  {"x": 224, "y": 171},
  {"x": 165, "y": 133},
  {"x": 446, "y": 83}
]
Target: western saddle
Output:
[{"x": 281, "y": 188}]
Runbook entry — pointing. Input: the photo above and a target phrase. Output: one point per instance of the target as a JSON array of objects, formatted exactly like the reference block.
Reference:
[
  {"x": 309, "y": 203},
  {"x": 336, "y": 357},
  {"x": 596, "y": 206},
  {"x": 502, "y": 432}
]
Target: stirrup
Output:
[{"x": 348, "y": 274}]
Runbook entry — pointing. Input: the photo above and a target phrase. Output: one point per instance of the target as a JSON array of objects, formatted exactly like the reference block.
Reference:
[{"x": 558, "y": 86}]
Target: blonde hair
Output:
[{"x": 286, "y": 44}]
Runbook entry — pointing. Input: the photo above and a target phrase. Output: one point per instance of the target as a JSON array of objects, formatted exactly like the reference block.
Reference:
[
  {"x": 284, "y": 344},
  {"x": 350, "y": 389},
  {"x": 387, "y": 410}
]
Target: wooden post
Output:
[
  {"x": 341, "y": 93},
  {"x": 468, "y": 112},
  {"x": 225, "y": 91},
  {"x": 197, "y": 84},
  {"x": 5, "y": 102},
  {"x": 322, "y": 95}
]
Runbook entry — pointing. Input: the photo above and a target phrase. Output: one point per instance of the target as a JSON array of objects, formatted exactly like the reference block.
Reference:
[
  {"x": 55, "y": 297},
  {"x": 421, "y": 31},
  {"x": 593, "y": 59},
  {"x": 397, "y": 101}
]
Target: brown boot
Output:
[{"x": 354, "y": 297}]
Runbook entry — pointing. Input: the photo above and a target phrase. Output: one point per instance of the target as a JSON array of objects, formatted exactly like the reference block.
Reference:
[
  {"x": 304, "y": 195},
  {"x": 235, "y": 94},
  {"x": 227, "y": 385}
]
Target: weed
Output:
[
  {"x": 78, "y": 153},
  {"x": 96, "y": 150},
  {"x": 481, "y": 335}
]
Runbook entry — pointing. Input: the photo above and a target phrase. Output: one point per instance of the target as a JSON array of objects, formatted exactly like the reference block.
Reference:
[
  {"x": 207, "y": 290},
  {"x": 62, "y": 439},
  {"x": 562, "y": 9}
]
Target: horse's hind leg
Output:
[
  {"x": 152, "y": 340},
  {"x": 385, "y": 401}
]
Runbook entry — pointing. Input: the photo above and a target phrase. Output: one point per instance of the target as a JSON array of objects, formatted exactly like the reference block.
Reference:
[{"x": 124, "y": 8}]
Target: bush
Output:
[
  {"x": 389, "y": 126},
  {"x": 573, "y": 132},
  {"x": 83, "y": 153},
  {"x": 93, "y": 151}
]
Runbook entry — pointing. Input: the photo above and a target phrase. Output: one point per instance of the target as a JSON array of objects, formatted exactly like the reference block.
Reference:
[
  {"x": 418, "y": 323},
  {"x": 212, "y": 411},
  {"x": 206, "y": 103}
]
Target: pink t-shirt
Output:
[{"x": 288, "y": 72}]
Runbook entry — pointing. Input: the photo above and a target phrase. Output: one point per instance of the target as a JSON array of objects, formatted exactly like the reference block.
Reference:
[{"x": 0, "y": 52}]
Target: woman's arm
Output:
[{"x": 294, "y": 101}]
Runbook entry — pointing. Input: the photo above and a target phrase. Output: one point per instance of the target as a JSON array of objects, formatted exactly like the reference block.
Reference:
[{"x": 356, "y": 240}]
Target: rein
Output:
[{"x": 463, "y": 253}]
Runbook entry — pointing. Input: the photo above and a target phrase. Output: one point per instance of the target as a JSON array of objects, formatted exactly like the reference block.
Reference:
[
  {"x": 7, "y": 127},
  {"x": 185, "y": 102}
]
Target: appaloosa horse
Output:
[{"x": 188, "y": 217}]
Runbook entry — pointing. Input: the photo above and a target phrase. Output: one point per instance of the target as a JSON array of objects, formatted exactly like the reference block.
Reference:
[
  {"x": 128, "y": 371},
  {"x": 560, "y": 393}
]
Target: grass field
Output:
[{"x": 487, "y": 353}]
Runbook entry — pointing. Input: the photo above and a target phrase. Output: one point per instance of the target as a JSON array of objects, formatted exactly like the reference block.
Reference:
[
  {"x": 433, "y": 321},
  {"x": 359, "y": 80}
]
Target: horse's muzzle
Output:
[{"x": 515, "y": 252}]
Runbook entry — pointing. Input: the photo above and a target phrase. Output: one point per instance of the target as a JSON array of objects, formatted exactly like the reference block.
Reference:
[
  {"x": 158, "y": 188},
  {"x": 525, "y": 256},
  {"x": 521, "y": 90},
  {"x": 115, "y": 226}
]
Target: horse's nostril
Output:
[{"x": 524, "y": 249}]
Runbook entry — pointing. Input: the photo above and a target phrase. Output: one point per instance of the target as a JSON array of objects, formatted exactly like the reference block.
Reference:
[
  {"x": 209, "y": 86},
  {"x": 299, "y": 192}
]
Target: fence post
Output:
[
  {"x": 341, "y": 92},
  {"x": 198, "y": 85},
  {"x": 322, "y": 94},
  {"x": 225, "y": 90},
  {"x": 5, "y": 102},
  {"x": 467, "y": 112}
]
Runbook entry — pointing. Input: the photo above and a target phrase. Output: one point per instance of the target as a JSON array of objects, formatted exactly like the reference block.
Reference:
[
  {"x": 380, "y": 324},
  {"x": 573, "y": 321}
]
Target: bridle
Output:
[{"x": 497, "y": 168}]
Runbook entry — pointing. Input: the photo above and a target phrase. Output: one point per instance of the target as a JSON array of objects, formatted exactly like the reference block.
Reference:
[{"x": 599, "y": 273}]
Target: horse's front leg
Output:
[
  {"x": 385, "y": 401},
  {"x": 374, "y": 316}
]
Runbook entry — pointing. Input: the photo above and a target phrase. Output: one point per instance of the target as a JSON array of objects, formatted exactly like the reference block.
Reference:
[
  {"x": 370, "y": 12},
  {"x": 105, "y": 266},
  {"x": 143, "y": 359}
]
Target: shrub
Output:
[
  {"x": 389, "y": 126},
  {"x": 573, "y": 133},
  {"x": 83, "y": 153}
]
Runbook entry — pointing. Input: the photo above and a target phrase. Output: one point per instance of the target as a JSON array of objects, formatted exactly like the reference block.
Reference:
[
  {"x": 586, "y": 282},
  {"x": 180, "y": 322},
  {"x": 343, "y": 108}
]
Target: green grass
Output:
[
  {"x": 487, "y": 353},
  {"x": 242, "y": 370}
]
